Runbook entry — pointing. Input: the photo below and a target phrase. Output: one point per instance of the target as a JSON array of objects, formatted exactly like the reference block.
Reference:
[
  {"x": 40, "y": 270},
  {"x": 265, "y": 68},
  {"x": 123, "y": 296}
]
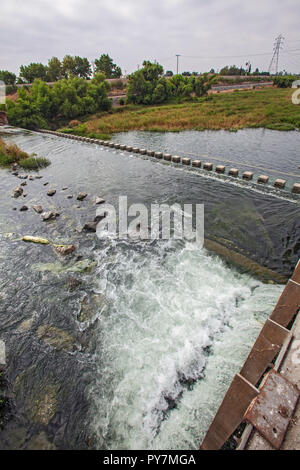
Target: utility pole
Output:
[
  {"x": 177, "y": 55},
  {"x": 275, "y": 59}
]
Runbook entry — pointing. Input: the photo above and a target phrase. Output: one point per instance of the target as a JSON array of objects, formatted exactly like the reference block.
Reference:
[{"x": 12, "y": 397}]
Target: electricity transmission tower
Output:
[{"x": 275, "y": 59}]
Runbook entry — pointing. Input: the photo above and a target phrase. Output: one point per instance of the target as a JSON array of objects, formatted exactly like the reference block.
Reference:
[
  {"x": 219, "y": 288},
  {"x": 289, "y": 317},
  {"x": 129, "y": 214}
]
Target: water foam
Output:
[{"x": 179, "y": 326}]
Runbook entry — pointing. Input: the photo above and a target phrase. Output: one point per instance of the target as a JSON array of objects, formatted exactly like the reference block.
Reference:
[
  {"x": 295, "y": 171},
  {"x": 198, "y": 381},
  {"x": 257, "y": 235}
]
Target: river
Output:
[{"x": 131, "y": 344}]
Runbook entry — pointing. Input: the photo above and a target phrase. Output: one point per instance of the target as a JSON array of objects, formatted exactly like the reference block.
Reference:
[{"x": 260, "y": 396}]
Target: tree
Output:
[
  {"x": 32, "y": 71},
  {"x": 76, "y": 67},
  {"x": 55, "y": 69},
  {"x": 232, "y": 70},
  {"x": 105, "y": 65},
  {"x": 142, "y": 84},
  {"x": 7, "y": 77}
]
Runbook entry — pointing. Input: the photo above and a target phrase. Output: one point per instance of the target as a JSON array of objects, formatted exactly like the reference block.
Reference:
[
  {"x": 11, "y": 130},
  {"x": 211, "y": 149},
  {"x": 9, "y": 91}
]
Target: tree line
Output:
[{"x": 69, "y": 66}]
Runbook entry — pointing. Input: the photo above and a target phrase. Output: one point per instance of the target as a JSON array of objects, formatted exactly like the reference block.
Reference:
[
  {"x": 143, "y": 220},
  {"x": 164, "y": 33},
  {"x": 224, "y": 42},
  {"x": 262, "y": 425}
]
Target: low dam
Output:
[{"x": 154, "y": 333}]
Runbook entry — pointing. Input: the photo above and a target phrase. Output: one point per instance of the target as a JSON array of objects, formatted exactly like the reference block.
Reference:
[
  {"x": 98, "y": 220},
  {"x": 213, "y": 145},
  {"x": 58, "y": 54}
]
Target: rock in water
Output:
[
  {"x": 81, "y": 196},
  {"x": 43, "y": 241},
  {"x": 99, "y": 200},
  {"x": 38, "y": 209},
  {"x": 49, "y": 215},
  {"x": 17, "y": 192},
  {"x": 65, "y": 249},
  {"x": 90, "y": 227},
  {"x": 24, "y": 208},
  {"x": 51, "y": 192}
]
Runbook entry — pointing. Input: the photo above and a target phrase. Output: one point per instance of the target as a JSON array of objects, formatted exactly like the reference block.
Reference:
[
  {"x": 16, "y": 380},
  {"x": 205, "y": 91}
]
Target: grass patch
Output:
[
  {"x": 270, "y": 108},
  {"x": 34, "y": 163},
  {"x": 10, "y": 153}
]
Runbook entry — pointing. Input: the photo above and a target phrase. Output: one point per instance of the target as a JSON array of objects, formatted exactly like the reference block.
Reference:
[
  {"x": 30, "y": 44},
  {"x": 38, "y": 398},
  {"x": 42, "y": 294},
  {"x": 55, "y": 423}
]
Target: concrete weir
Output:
[
  {"x": 264, "y": 395},
  {"x": 186, "y": 161}
]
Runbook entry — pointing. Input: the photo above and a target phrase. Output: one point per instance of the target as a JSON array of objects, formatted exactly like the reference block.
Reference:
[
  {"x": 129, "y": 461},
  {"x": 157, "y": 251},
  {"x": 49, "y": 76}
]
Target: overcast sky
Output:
[{"x": 130, "y": 31}]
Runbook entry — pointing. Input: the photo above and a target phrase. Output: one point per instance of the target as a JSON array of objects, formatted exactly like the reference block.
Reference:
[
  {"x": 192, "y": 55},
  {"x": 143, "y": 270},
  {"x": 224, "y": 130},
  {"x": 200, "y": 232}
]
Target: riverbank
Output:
[{"x": 270, "y": 108}]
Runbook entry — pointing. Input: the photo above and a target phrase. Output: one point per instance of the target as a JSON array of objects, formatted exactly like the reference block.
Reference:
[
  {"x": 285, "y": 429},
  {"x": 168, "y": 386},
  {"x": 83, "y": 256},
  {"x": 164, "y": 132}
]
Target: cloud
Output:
[{"x": 131, "y": 31}]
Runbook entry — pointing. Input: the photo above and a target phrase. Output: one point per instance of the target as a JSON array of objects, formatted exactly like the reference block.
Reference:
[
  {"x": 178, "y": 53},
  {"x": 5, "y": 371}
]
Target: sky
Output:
[{"x": 206, "y": 33}]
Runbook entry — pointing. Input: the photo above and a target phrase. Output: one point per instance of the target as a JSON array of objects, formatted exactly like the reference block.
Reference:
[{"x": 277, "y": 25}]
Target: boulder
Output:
[{"x": 24, "y": 208}]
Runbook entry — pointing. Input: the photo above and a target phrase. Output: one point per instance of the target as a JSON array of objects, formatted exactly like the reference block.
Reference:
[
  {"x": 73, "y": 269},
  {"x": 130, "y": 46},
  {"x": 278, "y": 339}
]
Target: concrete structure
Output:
[
  {"x": 247, "y": 175},
  {"x": 220, "y": 169},
  {"x": 263, "y": 179},
  {"x": 279, "y": 183},
  {"x": 208, "y": 166},
  {"x": 296, "y": 188},
  {"x": 233, "y": 172},
  {"x": 158, "y": 155},
  {"x": 266, "y": 391}
]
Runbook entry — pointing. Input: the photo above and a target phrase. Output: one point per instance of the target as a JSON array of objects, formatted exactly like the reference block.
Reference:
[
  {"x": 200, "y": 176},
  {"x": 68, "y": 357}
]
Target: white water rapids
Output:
[{"x": 179, "y": 325}]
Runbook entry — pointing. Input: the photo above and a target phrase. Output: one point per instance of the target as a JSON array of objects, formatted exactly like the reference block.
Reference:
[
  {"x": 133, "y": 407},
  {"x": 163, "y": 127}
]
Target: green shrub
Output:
[
  {"x": 94, "y": 135},
  {"x": 33, "y": 163},
  {"x": 284, "y": 82}
]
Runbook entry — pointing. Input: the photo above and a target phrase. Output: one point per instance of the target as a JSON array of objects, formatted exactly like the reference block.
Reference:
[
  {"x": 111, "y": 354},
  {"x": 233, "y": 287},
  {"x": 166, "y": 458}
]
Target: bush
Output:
[
  {"x": 10, "y": 153},
  {"x": 33, "y": 163},
  {"x": 69, "y": 98},
  {"x": 94, "y": 135},
  {"x": 284, "y": 82}
]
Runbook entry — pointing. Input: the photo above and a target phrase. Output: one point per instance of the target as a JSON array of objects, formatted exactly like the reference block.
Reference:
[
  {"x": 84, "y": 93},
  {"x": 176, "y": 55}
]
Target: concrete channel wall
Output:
[
  {"x": 248, "y": 388},
  {"x": 184, "y": 161}
]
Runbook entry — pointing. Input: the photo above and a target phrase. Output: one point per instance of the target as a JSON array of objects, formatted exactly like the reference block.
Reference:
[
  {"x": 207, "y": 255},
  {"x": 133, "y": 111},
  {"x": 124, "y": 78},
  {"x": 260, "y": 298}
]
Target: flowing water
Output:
[{"x": 131, "y": 344}]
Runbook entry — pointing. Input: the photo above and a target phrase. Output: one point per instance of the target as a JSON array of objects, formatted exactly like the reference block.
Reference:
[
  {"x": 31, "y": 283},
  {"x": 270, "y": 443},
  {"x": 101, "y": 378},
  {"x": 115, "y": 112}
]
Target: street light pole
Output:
[{"x": 177, "y": 55}]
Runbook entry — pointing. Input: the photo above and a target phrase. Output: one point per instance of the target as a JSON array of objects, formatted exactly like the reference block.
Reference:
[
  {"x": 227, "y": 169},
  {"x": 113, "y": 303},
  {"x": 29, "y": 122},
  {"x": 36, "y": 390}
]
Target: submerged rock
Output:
[
  {"x": 43, "y": 241},
  {"x": 24, "y": 208},
  {"x": 65, "y": 249},
  {"x": 73, "y": 283},
  {"x": 83, "y": 266},
  {"x": 91, "y": 305},
  {"x": 44, "y": 405},
  {"x": 56, "y": 337},
  {"x": 40, "y": 442},
  {"x": 25, "y": 325}
]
